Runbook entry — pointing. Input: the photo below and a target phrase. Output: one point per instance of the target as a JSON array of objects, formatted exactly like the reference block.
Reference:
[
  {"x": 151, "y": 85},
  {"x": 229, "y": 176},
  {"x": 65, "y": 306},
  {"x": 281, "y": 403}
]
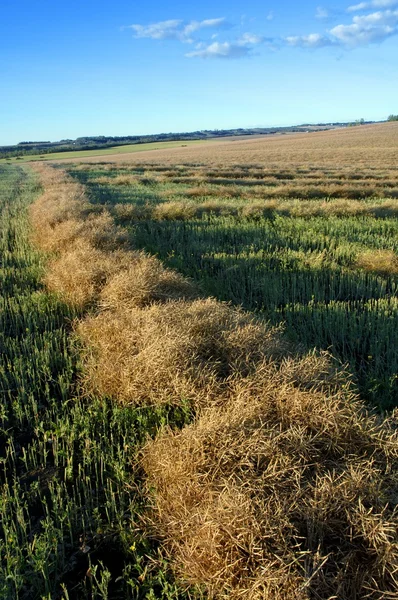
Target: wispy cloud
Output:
[
  {"x": 201, "y": 33},
  {"x": 271, "y": 15},
  {"x": 164, "y": 30},
  {"x": 373, "y": 4},
  {"x": 221, "y": 50},
  {"x": 176, "y": 29},
  {"x": 363, "y": 30},
  {"x": 196, "y": 25},
  {"x": 250, "y": 38},
  {"x": 239, "y": 48},
  {"x": 313, "y": 40},
  {"x": 209, "y": 40},
  {"x": 367, "y": 29}
]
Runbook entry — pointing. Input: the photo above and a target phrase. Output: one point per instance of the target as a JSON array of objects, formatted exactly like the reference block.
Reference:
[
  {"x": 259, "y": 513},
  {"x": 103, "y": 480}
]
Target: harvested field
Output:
[
  {"x": 312, "y": 244},
  {"x": 240, "y": 450},
  {"x": 355, "y": 147}
]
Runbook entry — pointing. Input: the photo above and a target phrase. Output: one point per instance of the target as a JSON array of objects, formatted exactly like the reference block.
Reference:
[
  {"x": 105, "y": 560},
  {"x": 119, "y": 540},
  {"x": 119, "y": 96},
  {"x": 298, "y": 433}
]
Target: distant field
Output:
[
  {"x": 116, "y": 150},
  {"x": 367, "y": 145}
]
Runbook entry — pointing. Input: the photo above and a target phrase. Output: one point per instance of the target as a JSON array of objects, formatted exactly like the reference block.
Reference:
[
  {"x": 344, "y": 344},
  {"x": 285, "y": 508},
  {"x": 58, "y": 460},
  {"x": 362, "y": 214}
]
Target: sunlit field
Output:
[
  {"x": 354, "y": 147},
  {"x": 312, "y": 247},
  {"x": 199, "y": 371}
]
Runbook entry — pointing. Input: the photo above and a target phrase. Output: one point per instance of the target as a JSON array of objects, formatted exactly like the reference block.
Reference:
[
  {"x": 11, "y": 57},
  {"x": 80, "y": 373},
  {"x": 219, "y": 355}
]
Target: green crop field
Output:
[
  {"x": 56, "y": 156},
  {"x": 301, "y": 262},
  {"x": 70, "y": 494}
]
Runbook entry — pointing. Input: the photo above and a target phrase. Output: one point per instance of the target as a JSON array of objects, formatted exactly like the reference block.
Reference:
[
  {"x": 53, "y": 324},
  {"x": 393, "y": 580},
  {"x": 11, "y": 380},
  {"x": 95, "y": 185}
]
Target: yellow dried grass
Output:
[
  {"x": 129, "y": 213},
  {"x": 144, "y": 281},
  {"x": 173, "y": 211},
  {"x": 118, "y": 180},
  {"x": 63, "y": 214},
  {"x": 255, "y": 208},
  {"x": 175, "y": 351},
  {"x": 283, "y": 493},
  {"x": 383, "y": 262},
  {"x": 79, "y": 273}
]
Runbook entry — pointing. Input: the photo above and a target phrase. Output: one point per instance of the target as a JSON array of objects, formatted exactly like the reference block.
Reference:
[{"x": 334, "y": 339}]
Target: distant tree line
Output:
[
  {"x": 393, "y": 118},
  {"x": 99, "y": 142}
]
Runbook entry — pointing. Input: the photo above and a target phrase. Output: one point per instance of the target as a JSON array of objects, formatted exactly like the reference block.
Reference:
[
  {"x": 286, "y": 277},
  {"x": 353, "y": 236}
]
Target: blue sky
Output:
[{"x": 95, "y": 68}]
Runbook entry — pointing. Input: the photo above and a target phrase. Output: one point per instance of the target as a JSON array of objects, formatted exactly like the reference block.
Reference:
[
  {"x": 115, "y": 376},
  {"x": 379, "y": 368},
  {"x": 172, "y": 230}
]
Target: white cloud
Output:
[
  {"x": 175, "y": 29},
  {"x": 386, "y": 17},
  {"x": 221, "y": 50},
  {"x": 236, "y": 49},
  {"x": 196, "y": 25},
  {"x": 313, "y": 40},
  {"x": 367, "y": 29},
  {"x": 363, "y": 30},
  {"x": 270, "y": 15},
  {"x": 164, "y": 30},
  {"x": 250, "y": 38},
  {"x": 373, "y": 4},
  {"x": 207, "y": 46}
]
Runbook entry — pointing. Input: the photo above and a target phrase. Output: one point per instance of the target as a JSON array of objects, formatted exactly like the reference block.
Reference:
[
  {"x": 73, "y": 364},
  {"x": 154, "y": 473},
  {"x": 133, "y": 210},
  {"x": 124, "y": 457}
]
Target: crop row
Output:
[
  {"x": 331, "y": 279},
  {"x": 70, "y": 499}
]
